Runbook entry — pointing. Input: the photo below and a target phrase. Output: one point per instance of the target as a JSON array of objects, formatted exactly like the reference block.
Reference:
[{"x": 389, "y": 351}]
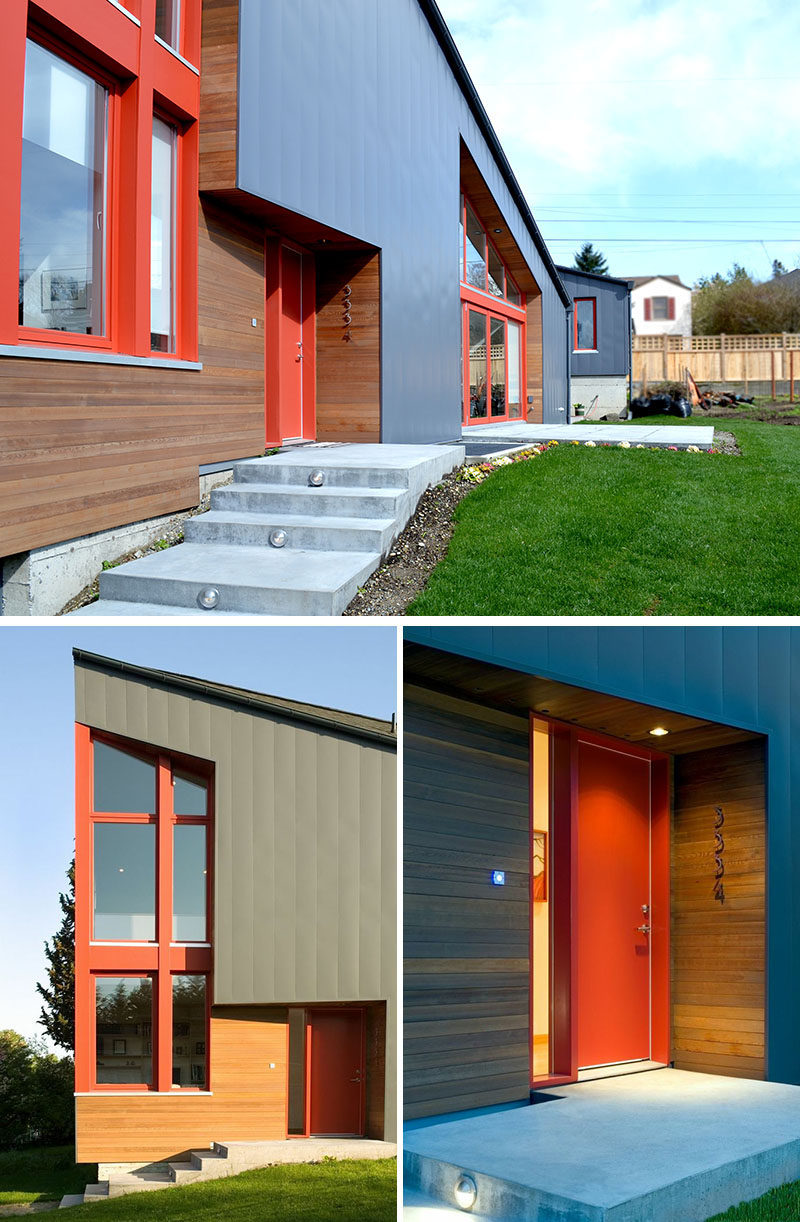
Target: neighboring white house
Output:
[{"x": 661, "y": 304}]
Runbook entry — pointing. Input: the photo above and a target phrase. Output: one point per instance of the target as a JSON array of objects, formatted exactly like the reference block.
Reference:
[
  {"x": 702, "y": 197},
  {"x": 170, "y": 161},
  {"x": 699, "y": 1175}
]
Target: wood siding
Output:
[
  {"x": 533, "y": 357},
  {"x": 85, "y": 447},
  {"x": 466, "y": 974},
  {"x": 348, "y": 371},
  {"x": 247, "y": 1100},
  {"x": 219, "y": 95},
  {"x": 718, "y": 950}
]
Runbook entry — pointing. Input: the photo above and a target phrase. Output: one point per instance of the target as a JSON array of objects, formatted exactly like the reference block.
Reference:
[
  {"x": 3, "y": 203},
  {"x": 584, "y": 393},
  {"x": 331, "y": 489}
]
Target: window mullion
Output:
[{"x": 163, "y": 1074}]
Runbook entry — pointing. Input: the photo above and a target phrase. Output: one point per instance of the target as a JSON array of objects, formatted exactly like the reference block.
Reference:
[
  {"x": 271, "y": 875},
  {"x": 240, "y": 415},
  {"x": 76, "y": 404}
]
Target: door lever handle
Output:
[{"x": 642, "y": 928}]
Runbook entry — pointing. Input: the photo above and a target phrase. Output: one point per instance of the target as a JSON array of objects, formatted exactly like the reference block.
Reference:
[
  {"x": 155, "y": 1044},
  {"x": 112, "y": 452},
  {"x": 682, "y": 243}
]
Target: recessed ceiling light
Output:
[{"x": 658, "y": 731}]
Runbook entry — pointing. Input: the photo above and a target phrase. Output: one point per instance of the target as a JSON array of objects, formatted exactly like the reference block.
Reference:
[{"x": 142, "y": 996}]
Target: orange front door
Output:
[
  {"x": 291, "y": 354},
  {"x": 337, "y": 1072},
  {"x": 613, "y": 901}
]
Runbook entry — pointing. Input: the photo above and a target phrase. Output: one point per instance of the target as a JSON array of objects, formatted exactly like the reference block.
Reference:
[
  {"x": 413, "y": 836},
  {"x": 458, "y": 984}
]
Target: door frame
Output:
[
  {"x": 565, "y": 899},
  {"x": 362, "y": 1107},
  {"x": 275, "y": 431}
]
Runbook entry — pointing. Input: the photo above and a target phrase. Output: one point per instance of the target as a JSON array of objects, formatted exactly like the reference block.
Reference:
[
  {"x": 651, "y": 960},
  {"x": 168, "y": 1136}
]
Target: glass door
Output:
[{"x": 494, "y": 362}]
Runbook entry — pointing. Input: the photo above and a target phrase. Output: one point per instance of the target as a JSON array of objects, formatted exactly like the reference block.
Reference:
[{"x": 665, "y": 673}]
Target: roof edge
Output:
[
  {"x": 374, "y": 729},
  {"x": 453, "y": 56},
  {"x": 576, "y": 271}
]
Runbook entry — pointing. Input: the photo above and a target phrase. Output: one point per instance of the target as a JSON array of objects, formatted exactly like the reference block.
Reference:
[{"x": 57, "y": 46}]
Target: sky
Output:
[
  {"x": 662, "y": 131},
  {"x": 349, "y": 666}
]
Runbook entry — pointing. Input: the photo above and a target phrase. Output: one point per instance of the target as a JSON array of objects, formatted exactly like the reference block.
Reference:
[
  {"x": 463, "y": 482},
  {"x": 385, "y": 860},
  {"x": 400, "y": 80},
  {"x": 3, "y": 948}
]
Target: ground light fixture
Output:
[
  {"x": 658, "y": 731},
  {"x": 465, "y": 1192},
  {"x": 316, "y": 479},
  {"x": 208, "y": 598},
  {"x": 278, "y": 537}
]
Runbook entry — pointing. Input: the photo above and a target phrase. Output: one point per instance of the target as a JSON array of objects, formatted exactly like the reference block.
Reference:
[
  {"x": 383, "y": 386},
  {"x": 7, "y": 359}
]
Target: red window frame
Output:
[
  {"x": 143, "y": 77},
  {"x": 593, "y": 347},
  {"x": 161, "y": 959},
  {"x": 470, "y": 288}
]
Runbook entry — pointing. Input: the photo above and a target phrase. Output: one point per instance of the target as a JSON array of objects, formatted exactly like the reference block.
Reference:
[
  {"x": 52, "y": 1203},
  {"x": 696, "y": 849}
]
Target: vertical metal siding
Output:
[
  {"x": 613, "y": 354},
  {"x": 747, "y": 676},
  {"x": 349, "y": 113}
]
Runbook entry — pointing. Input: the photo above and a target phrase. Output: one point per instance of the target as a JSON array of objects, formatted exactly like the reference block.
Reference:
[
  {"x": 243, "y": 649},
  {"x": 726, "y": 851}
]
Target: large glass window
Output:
[
  {"x": 497, "y": 273},
  {"x": 63, "y": 204},
  {"x": 189, "y": 797},
  {"x": 476, "y": 252},
  {"x": 189, "y": 883},
  {"x": 123, "y": 783},
  {"x": 585, "y": 323},
  {"x": 477, "y": 364},
  {"x": 514, "y": 386},
  {"x": 124, "y": 1042},
  {"x": 497, "y": 331},
  {"x": 162, "y": 239},
  {"x": 189, "y": 1031},
  {"x": 125, "y": 881}
]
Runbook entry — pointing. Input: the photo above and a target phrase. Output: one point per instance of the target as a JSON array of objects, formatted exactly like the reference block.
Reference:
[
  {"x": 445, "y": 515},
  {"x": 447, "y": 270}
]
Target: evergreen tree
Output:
[
  {"x": 58, "y": 1011},
  {"x": 778, "y": 269},
  {"x": 590, "y": 260}
]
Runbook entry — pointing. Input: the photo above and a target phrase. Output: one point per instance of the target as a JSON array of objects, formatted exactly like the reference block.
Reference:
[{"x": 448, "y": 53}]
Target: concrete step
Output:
[
  {"x": 96, "y": 1192},
  {"x": 138, "y": 1181},
  {"x": 419, "y": 1207},
  {"x": 185, "y": 1173},
  {"x": 116, "y": 608},
  {"x": 72, "y": 1198},
  {"x": 243, "y": 1155},
  {"x": 287, "y": 499},
  {"x": 276, "y": 470},
  {"x": 303, "y": 531},
  {"x": 257, "y": 581},
  {"x": 208, "y": 1160}
]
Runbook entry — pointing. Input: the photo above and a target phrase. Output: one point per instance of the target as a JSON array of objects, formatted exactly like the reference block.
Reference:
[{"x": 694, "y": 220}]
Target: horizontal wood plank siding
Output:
[
  {"x": 219, "y": 95},
  {"x": 348, "y": 370},
  {"x": 466, "y": 972},
  {"x": 85, "y": 447},
  {"x": 718, "y": 950},
  {"x": 247, "y": 1100}
]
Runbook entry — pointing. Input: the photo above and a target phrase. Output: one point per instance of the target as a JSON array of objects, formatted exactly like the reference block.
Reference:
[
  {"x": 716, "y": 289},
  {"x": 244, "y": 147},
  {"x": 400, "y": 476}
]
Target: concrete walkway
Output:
[
  {"x": 516, "y": 432},
  {"x": 666, "y": 1146}
]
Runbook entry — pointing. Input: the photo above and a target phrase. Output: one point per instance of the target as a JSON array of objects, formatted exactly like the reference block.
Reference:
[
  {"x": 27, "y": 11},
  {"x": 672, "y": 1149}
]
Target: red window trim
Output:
[
  {"x": 161, "y": 959},
  {"x": 575, "y": 347},
  {"x": 471, "y": 288},
  {"x": 507, "y": 315}
]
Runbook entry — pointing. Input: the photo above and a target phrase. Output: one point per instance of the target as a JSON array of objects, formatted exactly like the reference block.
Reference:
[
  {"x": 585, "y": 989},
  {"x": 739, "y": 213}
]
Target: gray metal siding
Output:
[
  {"x": 748, "y": 677},
  {"x": 350, "y": 114},
  {"x": 305, "y": 846},
  {"x": 613, "y": 354}
]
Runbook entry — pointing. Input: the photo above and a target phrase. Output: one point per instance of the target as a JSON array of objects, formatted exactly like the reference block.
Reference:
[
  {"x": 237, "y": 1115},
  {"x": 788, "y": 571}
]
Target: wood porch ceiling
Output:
[{"x": 500, "y": 687}]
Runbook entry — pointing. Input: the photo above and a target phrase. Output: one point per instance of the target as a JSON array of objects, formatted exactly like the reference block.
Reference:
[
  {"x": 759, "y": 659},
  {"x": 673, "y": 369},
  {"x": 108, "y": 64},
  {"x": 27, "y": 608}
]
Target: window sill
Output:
[
  {"x": 33, "y": 352},
  {"x": 177, "y": 55},
  {"x": 125, "y": 12},
  {"x": 142, "y": 1094}
]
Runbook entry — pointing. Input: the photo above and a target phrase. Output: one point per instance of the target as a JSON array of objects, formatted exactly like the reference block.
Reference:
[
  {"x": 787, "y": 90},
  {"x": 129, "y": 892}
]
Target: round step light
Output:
[
  {"x": 278, "y": 537},
  {"x": 466, "y": 1192},
  {"x": 208, "y": 598},
  {"x": 316, "y": 479}
]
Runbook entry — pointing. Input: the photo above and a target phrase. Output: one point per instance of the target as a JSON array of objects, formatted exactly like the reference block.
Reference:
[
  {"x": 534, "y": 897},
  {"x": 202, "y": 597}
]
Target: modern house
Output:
[
  {"x": 662, "y": 305},
  {"x": 599, "y": 826},
  {"x": 600, "y": 364},
  {"x": 235, "y": 955},
  {"x": 233, "y": 226}
]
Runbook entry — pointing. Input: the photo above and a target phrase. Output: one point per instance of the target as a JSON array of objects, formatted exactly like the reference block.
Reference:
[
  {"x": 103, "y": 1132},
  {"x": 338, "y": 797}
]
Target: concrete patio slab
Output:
[
  {"x": 664, "y": 1146},
  {"x": 515, "y": 432}
]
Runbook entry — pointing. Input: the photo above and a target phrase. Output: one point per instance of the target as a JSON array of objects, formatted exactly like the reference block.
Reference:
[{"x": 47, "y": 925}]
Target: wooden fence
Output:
[{"x": 717, "y": 358}]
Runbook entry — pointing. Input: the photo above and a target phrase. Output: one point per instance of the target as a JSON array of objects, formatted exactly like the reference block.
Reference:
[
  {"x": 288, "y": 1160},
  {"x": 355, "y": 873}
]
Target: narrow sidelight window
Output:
[
  {"x": 124, "y": 1040},
  {"x": 189, "y": 1031},
  {"x": 168, "y": 22},
  {"x": 189, "y": 883},
  {"x": 63, "y": 204},
  {"x": 125, "y": 882},
  {"x": 514, "y": 391},
  {"x": 162, "y": 239},
  {"x": 476, "y": 251},
  {"x": 585, "y": 323}
]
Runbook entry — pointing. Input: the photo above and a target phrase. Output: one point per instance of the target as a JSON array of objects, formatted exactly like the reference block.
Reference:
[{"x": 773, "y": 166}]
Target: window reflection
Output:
[
  {"x": 125, "y": 881},
  {"x": 584, "y": 323},
  {"x": 496, "y": 273},
  {"x": 189, "y": 883},
  {"x": 62, "y": 215},
  {"x": 124, "y": 1011},
  {"x": 189, "y": 1031},
  {"x": 477, "y": 364},
  {"x": 476, "y": 251},
  {"x": 122, "y": 782},
  {"x": 498, "y": 348},
  {"x": 168, "y": 22}
]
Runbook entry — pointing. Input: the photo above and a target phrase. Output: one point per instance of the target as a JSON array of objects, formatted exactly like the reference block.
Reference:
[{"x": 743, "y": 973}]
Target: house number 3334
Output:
[{"x": 719, "y": 849}]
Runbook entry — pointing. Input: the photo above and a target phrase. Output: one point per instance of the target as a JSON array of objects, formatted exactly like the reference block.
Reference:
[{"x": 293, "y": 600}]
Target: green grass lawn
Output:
[
  {"x": 346, "y": 1191},
  {"x": 778, "y": 1205},
  {"x": 631, "y": 532},
  {"x": 41, "y": 1173}
]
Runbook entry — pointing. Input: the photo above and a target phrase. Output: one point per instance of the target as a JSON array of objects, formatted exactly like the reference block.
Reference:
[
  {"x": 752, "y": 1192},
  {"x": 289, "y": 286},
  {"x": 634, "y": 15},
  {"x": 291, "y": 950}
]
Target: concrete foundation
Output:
[
  {"x": 43, "y": 580},
  {"x": 612, "y": 392},
  {"x": 665, "y": 1146}
]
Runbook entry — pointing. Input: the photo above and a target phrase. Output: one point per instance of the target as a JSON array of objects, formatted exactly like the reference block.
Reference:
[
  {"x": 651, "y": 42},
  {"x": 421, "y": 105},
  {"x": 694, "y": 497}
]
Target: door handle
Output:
[
  {"x": 299, "y": 350},
  {"x": 642, "y": 928}
]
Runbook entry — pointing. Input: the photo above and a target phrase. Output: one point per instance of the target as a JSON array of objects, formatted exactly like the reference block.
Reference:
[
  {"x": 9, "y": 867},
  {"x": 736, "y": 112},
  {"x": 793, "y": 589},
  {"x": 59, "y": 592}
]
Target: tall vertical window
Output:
[
  {"x": 143, "y": 952},
  {"x": 168, "y": 22},
  {"x": 585, "y": 323},
  {"x": 162, "y": 238},
  {"x": 63, "y": 202},
  {"x": 540, "y": 897}
]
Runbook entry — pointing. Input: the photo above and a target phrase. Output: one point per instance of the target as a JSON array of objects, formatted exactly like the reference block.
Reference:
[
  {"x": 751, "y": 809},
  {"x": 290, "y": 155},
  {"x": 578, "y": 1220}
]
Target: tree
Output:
[
  {"x": 590, "y": 260},
  {"x": 58, "y": 1012},
  {"x": 36, "y": 1094},
  {"x": 737, "y": 304},
  {"x": 778, "y": 269}
]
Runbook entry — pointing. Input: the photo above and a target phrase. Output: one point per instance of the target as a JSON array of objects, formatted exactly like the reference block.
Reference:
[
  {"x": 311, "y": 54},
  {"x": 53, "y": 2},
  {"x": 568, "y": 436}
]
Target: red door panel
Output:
[
  {"x": 613, "y": 884},
  {"x": 291, "y": 353},
  {"x": 336, "y": 1072}
]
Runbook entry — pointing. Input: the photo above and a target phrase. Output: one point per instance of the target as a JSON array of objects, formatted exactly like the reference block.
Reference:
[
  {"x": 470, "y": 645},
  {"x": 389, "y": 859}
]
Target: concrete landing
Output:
[
  {"x": 666, "y": 1146},
  {"x": 515, "y": 432}
]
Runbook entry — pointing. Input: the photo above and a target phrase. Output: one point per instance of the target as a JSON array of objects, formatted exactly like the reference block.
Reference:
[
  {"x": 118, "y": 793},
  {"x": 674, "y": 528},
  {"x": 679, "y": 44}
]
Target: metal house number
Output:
[
  {"x": 347, "y": 317},
  {"x": 719, "y": 849}
]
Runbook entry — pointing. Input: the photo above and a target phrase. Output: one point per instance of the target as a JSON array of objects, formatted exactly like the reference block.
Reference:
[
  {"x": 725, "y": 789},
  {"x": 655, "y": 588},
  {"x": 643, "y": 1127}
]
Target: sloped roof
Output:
[{"x": 639, "y": 280}]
